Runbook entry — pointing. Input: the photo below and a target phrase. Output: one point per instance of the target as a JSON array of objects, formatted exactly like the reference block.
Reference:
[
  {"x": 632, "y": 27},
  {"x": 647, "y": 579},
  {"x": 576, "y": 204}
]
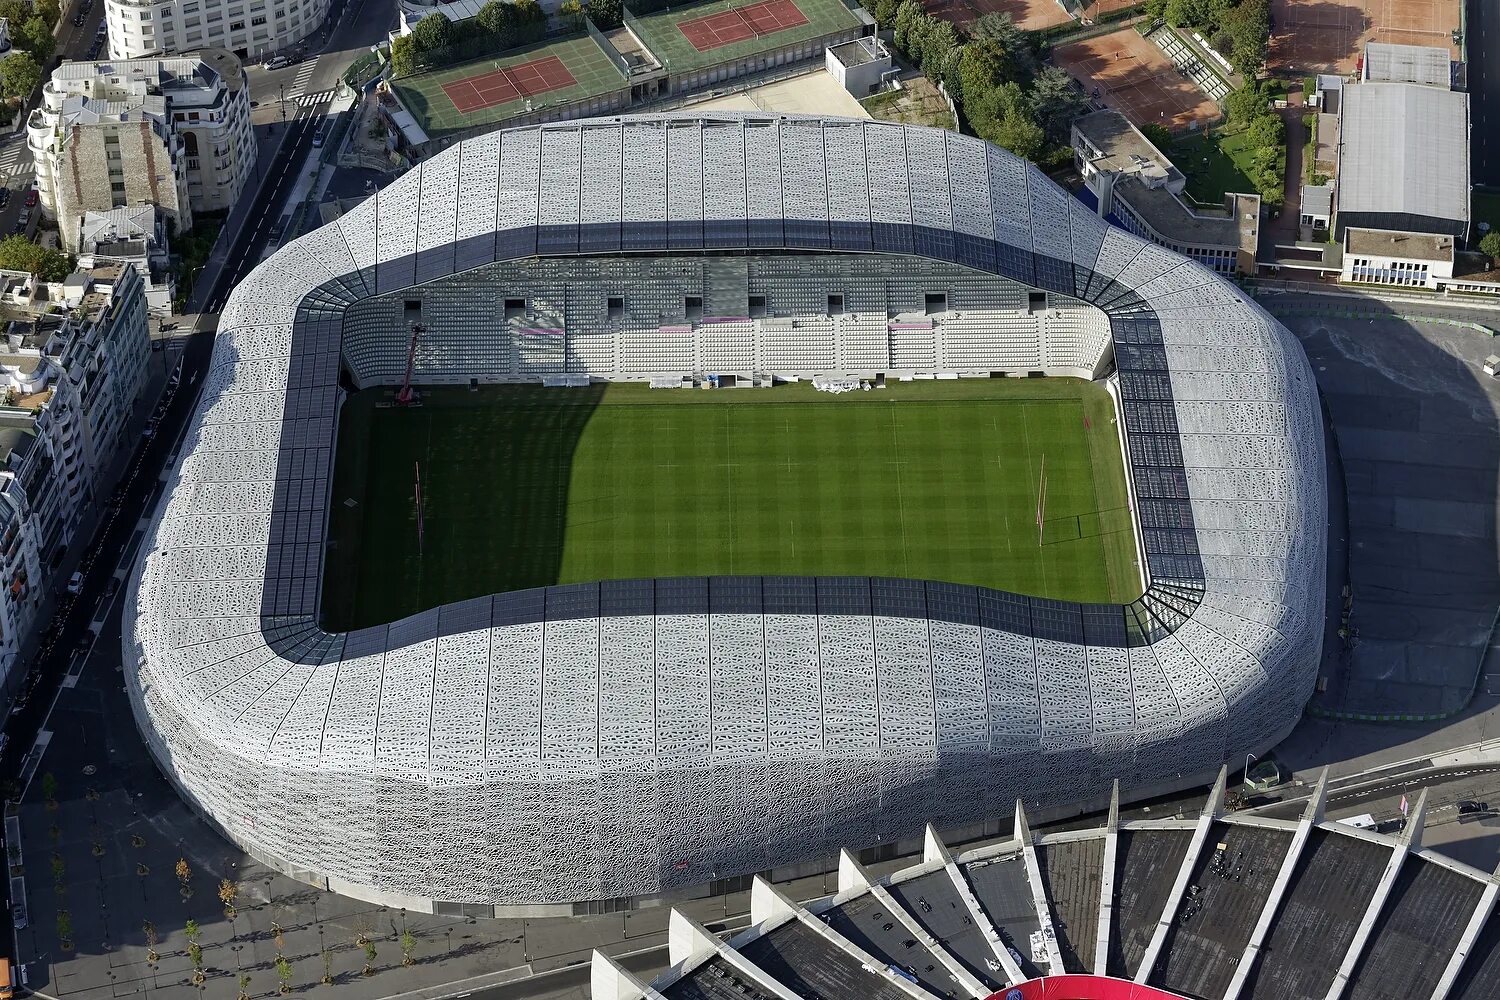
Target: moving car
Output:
[
  {"x": 319, "y": 135},
  {"x": 276, "y": 62},
  {"x": 75, "y": 583},
  {"x": 1470, "y": 806},
  {"x": 78, "y": 20}
]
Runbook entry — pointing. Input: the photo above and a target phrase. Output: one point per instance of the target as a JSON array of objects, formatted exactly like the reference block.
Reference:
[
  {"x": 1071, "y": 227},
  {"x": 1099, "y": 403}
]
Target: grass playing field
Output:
[{"x": 525, "y": 486}]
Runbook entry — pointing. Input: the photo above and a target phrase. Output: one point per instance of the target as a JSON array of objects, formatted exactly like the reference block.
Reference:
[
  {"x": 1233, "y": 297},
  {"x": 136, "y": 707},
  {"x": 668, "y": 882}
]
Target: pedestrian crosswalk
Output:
[
  {"x": 299, "y": 83},
  {"x": 15, "y": 160},
  {"x": 308, "y": 100}
]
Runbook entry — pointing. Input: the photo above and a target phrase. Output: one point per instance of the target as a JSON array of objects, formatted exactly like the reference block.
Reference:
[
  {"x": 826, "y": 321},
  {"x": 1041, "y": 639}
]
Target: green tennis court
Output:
[
  {"x": 523, "y": 486},
  {"x": 429, "y": 96},
  {"x": 662, "y": 31}
]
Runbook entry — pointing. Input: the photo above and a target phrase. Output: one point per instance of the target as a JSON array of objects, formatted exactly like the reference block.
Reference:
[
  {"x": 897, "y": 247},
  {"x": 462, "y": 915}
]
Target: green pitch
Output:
[
  {"x": 525, "y": 486},
  {"x": 661, "y": 34}
]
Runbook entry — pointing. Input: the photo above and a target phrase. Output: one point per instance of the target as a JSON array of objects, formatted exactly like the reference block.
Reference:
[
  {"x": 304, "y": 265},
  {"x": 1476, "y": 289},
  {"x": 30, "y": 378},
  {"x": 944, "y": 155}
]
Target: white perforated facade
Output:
[{"x": 633, "y": 737}]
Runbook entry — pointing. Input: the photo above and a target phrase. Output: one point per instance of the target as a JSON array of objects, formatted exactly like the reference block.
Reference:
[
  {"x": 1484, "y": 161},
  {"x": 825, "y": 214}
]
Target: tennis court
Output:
[
  {"x": 701, "y": 35},
  {"x": 714, "y": 31},
  {"x": 1126, "y": 72},
  {"x": 491, "y": 90},
  {"x": 501, "y": 86},
  {"x": 1329, "y": 36}
]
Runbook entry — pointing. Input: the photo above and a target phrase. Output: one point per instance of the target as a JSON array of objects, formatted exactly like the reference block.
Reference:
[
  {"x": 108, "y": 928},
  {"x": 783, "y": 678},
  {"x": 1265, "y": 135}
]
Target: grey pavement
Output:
[{"x": 1415, "y": 425}]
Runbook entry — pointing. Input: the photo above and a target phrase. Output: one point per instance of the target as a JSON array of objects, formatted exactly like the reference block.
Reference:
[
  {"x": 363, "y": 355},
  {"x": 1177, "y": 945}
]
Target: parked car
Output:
[
  {"x": 4, "y": 196},
  {"x": 1470, "y": 806},
  {"x": 113, "y": 588},
  {"x": 78, "y": 20},
  {"x": 31, "y": 197},
  {"x": 276, "y": 62},
  {"x": 75, "y": 583}
]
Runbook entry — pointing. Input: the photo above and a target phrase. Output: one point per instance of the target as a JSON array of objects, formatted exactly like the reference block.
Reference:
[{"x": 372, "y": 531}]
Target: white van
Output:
[{"x": 1364, "y": 821}]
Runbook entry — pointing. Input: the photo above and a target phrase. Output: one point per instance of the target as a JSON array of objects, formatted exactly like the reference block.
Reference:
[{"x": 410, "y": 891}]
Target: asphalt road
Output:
[{"x": 1484, "y": 88}]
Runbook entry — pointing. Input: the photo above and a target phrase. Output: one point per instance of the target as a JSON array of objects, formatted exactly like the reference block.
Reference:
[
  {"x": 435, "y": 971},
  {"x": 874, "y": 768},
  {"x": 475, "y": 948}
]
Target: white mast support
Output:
[
  {"x": 1038, "y": 890},
  {"x": 1213, "y": 809},
  {"x": 1107, "y": 883},
  {"x": 1470, "y": 936}
]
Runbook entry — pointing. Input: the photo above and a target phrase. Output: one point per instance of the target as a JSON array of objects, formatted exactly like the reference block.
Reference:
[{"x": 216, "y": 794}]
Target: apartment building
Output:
[
  {"x": 73, "y": 364},
  {"x": 174, "y": 133},
  {"x": 251, "y": 29}
]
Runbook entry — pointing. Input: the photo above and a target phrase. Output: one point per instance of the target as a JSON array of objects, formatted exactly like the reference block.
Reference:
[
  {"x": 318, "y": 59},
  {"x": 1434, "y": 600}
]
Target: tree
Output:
[
  {"x": 1248, "y": 27},
  {"x": 227, "y": 893},
  {"x": 607, "y": 15},
  {"x": 570, "y": 13},
  {"x": 1157, "y": 135},
  {"x": 940, "y": 47},
  {"x": 192, "y": 931},
  {"x": 1490, "y": 245},
  {"x": 403, "y": 56},
  {"x": 885, "y": 12},
  {"x": 982, "y": 65},
  {"x": 17, "y": 253},
  {"x": 1267, "y": 130},
  {"x": 149, "y": 929},
  {"x": 907, "y": 15},
  {"x": 49, "y": 780},
  {"x": 65, "y": 929},
  {"x": 1055, "y": 102},
  {"x": 284, "y": 974},
  {"x": 244, "y": 993},
  {"x": 1245, "y": 104},
  {"x": 1001, "y": 29},
  {"x": 434, "y": 31},
  {"x": 15, "y": 11},
  {"x": 408, "y": 948},
  {"x": 36, "y": 37},
  {"x": 49, "y": 11},
  {"x": 19, "y": 74}
]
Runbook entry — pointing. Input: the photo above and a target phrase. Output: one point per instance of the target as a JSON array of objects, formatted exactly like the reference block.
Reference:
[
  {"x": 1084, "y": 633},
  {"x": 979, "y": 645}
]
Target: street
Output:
[{"x": 1484, "y": 85}]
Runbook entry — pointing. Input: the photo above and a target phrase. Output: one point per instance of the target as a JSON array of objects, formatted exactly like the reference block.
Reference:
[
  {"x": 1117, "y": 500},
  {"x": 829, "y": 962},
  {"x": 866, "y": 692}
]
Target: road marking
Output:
[{"x": 300, "y": 83}]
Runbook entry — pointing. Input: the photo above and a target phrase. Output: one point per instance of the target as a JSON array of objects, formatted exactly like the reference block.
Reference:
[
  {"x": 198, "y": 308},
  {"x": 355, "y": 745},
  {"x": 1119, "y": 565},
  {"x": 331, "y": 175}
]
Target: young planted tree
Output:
[
  {"x": 65, "y": 930},
  {"x": 327, "y": 957},
  {"x": 408, "y": 948},
  {"x": 59, "y": 883},
  {"x": 284, "y": 975},
  {"x": 193, "y": 931},
  {"x": 149, "y": 929},
  {"x": 228, "y": 890},
  {"x": 49, "y": 789},
  {"x": 369, "y": 968},
  {"x": 184, "y": 877},
  {"x": 244, "y": 993}
]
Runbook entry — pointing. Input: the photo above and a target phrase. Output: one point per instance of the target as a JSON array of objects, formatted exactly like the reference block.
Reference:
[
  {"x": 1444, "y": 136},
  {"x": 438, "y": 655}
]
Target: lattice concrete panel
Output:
[{"x": 541, "y": 757}]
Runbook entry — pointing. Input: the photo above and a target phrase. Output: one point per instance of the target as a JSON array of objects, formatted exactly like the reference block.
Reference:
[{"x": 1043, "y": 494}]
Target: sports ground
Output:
[
  {"x": 706, "y": 34},
  {"x": 1329, "y": 36},
  {"x": 524, "y": 486},
  {"x": 489, "y": 90},
  {"x": 1127, "y": 72}
]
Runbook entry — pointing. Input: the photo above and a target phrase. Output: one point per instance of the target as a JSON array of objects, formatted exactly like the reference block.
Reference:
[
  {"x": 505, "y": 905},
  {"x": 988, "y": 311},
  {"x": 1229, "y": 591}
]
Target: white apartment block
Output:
[
  {"x": 174, "y": 133},
  {"x": 72, "y": 367},
  {"x": 251, "y": 29}
]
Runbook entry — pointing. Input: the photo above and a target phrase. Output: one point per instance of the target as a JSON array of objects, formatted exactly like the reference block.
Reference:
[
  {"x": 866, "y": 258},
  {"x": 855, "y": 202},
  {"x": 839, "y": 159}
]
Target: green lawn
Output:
[
  {"x": 524, "y": 486},
  {"x": 1485, "y": 207},
  {"x": 1219, "y": 162}
]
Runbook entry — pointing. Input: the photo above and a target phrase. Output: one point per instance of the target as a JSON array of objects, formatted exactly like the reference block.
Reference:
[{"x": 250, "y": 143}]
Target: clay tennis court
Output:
[
  {"x": 504, "y": 85},
  {"x": 1329, "y": 36},
  {"x": 713, "y": 31},
  {"x": 1134, "y": 77}
]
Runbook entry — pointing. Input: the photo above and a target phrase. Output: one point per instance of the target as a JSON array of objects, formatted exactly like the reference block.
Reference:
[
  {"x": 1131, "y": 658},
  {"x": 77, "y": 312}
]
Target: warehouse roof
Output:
[
  {"x": 1405, "y": 150},
  {"x": 1426, "y": 65}
]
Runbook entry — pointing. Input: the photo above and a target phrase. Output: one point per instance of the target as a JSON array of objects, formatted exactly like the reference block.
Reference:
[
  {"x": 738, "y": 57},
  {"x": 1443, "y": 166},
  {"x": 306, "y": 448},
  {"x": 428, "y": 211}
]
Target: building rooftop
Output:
[
  {"x": 1405, "y": 151},
  {"x": 1235, "y": 224},
  {"x": 859, "y": 51},
  {"x": 1377, "y": 242},
  {"x": 1317, "y": 199},
  {"x": 1119, "y": 147},
  {"x": 1425, "y": 65}
]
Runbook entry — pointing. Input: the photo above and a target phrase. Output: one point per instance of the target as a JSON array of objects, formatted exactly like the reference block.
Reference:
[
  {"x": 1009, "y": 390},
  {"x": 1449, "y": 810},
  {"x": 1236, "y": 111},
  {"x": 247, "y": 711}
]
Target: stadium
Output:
[
  {"x": 606, "y": 735},
  {"x": 1221, "y": 905}
]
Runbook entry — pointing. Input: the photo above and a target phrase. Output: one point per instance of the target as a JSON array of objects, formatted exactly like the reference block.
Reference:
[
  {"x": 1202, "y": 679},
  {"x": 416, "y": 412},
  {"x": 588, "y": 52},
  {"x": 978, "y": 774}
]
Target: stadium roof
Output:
[
  {"x": 1426, "y": 65},
  {"x": 632, "y": 737},
  {"x": 1405, "y": 151},
  {"x": 1215, "y": 906}
]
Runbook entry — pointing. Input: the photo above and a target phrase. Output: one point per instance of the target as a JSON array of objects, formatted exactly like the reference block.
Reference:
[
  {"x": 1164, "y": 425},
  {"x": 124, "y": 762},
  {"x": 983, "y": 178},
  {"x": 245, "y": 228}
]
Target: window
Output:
[
  {"x": 1036, "y": 302},
  {"x": 236, "y": 25},
  {"x": 757, "y": 305},
  {"x": 258, "y": 20},
  {"x": 692, "y": 306},
  {"x": 616, "y": 307},
  {"x": 515, "y": 308},
  {"x": 935, "y": 302},
  {"x": 411, "y": 312},
  {"x": 835, "y": 304}
]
